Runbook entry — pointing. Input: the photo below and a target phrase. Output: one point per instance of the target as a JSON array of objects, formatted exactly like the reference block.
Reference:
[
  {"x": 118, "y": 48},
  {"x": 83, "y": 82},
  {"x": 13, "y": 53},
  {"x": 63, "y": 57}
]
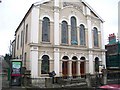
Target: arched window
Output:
[
  {"x": 82, "y": 58},
  {"x": 64, "y": 33},
  {"x": 46, "y": 30},
  {"x": 82, "y": 34},
  {"x": 65, "y": 66},
  {"x": 82, "y": 66},
  {"x": 96, "y": 64},
  {"x": 65, "y": 58},
  {"x": 74, "y": 58},
  {"x": 45, "y": 65},
  {"x": 73, "y": 31},
  {"x": 95, "y": 37}
]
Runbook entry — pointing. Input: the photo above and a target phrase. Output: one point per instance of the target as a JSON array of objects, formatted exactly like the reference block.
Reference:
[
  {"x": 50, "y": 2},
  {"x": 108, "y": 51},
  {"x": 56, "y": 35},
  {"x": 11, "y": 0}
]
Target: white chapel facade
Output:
[{"x": 61, "y": 36}]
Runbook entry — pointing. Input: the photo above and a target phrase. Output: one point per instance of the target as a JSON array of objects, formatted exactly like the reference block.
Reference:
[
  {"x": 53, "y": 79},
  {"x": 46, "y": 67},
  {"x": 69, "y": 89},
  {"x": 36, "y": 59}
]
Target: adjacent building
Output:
[
  {"x": 113, "y": 53},
  {"x": 61, "y": 36}
]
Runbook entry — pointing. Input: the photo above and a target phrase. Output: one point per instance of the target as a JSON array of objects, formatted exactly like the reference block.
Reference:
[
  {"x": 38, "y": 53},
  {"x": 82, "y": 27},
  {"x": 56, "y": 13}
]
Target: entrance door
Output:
[
  {"x": 82, "y": 68},
  {"x": 74, "y": 69},
  {"x": 65, "y": 69}
]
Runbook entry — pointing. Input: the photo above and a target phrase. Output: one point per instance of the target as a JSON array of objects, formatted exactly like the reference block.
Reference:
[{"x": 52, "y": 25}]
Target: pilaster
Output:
[
  {"x": 56, "y": 37},
  {"x": 91, "y": 64},
  {"x": 78, "y": 68},
  {"x": 34, "y": 61},
  {"x": 70, "y": 68},
  {"x": 56, "y": 61},
  {"x": 102, "y": 36}
]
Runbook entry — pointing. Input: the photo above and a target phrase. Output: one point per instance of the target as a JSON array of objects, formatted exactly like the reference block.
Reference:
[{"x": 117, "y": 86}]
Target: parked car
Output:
[{"x": 111, "y": 87}]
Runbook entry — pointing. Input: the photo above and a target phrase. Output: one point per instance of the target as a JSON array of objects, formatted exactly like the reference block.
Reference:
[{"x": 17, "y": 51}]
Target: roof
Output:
[
  {"x": 34, "y": 4},
  {"x": 44, "y": 1},
  {"x": 24, "y": 18},
  {"x": 83, "y": 1}
]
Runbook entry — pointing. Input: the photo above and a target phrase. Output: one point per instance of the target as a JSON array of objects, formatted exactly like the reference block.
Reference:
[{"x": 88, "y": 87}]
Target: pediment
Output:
[{"x": 76, "y": 5}]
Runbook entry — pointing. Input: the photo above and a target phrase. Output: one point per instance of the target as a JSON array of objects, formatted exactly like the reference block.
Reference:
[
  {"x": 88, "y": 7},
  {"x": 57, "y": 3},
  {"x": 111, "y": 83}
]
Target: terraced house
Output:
[{"x": 61, "y": 36}]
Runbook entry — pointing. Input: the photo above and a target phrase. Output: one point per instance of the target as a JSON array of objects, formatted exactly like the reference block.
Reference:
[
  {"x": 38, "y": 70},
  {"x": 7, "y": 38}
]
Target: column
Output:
[
  {"x": 103, "y": 59},
  {"x": 78, "y": 36},
  {"x": 56, "y": 22},
  {"x": 39, "y": 67},
  {"x": 56, "y": 37},
  {"x": 34, "y": 61},
  {"x": 34, "y": 25},
  {"x": 69, "y": 35},
  {"x": 90, "y": 38},
  {"x": 78, "y": 68},
  {"x": 91, "y": 64},
  {"x": 61, "y": 67},
  {"x": 70, "y": 68},
  {"x": 102, "y": 36},
  {"x": 56, "y": 62}
]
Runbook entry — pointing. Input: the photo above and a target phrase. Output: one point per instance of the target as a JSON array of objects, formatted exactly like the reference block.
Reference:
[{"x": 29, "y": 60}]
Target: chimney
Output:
[{"x": 112, "y": 38}]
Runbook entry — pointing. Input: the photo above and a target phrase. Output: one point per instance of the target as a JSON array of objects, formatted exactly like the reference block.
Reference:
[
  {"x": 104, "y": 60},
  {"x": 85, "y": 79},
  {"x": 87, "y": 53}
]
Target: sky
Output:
[{"x": 13, "y": 11}]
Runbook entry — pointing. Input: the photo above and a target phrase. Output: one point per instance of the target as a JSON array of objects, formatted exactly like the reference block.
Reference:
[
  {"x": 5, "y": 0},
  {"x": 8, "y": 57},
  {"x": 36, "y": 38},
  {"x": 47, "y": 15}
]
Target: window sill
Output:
[
  {"x": 96, "y": 47},
  {"x": 64, "y": 44},
  {"x": 45, "y": 42}
]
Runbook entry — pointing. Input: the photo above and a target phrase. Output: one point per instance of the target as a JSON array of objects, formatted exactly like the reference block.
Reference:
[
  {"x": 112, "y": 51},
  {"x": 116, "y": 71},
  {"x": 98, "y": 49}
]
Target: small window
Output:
[
  {"x": 18, "y": 42},
  {"x": 21, "y": 38},
  {"x": 26, "y": 34}
]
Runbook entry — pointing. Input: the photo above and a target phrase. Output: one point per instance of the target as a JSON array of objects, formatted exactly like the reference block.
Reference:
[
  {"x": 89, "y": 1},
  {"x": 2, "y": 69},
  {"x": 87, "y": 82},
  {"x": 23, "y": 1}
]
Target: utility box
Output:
[{"x": 16, "y": 65}]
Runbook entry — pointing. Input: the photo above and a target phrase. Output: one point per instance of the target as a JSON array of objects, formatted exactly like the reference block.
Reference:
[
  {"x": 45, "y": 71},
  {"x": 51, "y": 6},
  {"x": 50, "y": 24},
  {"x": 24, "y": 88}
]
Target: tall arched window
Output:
[
  {"x": 65, "y": 66},
  {"x": 73, "y": 31},
  {"x": 95, "y": 37},
  {"x": 82, "y": 35},
  {"x": 74, "y": 66},
  {"x": 64, "y": 33},
  {"x": 46, "y": 30},
  {"x": 45, "y": 65},
  {"x": 96, "y": 64}
]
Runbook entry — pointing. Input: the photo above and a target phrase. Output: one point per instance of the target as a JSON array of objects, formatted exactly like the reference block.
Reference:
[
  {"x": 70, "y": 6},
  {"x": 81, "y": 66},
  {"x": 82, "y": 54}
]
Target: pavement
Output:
[{"x": 30, "y": 88}]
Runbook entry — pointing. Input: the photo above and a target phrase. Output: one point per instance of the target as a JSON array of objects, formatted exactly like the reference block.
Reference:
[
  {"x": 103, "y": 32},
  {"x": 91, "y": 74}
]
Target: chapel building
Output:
[{"x": 61, "y": 36}]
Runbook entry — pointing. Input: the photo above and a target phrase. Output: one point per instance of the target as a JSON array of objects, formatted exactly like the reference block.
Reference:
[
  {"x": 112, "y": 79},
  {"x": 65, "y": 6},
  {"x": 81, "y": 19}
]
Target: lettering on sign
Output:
[{"x": 73, "y": 4}]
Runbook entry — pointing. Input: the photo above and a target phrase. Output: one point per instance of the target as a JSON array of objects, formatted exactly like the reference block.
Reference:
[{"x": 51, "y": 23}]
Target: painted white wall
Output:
[
  {"x": 102, "y": 36},
  {"x": 90, "y": 40},
  {"x": 34, "y": 25},
  {"x": 56, "y": 37},
  {"x": 103, "y": 59},
  {"x": 91, "y": 65},
  {"x": 34, "y": 39},
  {"x": 34, "y": 61},
  {"x": 56, "y": 61}
]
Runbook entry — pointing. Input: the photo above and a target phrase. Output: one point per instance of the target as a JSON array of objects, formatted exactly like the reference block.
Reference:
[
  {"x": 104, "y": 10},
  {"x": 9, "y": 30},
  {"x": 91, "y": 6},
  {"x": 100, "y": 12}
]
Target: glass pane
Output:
[
  {"x": 46, "y": 29},
  {"x": 73, "y": 31},
  {"x": 64, "y": 32},
  {"x": 45, "y": 65},
  {"x": 95, "y": 33},
  {"x": 82, "y": 35}
]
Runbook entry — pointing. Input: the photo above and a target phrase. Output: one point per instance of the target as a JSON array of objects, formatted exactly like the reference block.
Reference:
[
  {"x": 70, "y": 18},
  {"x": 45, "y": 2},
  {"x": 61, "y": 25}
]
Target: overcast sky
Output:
[{"x": 13, "y": 11}]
